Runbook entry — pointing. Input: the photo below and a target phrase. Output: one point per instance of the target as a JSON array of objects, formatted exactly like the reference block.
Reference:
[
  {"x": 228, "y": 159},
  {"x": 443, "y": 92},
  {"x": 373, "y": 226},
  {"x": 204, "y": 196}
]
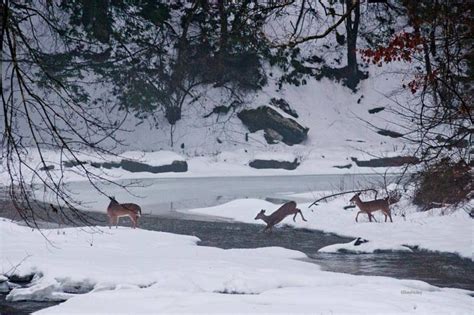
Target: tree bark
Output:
[{"x": 352, "y": 29}]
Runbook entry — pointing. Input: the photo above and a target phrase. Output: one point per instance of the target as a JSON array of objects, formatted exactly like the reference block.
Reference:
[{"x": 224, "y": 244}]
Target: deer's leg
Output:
[
  {"x": 134, "y": 220},
  {"x": 373, "y": 217},
  {"x": 110, "y": 222},
  {"x": 117, "y": 222},
  {"x": 358, "y": 214},
  {"x": 370, "y": 216},
  {"x": 301, "y": 213},
  {"x": 294, "y": 217},
  {"x": 389, "y": 215}
]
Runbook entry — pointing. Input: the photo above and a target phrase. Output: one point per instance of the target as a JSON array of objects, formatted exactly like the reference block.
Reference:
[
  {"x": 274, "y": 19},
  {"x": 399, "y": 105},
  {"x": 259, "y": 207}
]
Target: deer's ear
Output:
[{"x": 262, "y": 211}]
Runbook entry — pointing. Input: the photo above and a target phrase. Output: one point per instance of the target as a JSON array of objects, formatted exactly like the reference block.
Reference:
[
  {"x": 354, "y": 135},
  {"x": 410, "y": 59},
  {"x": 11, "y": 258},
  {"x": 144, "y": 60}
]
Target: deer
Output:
[
  {"x": 372, "y": 206},
  {"x": 276, "y": 217},
  {"x": 117, "y": 210}
]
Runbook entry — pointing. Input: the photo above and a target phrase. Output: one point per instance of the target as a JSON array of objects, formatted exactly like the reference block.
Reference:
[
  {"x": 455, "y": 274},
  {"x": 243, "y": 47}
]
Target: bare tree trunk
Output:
[{"x": 352, "y": 29}]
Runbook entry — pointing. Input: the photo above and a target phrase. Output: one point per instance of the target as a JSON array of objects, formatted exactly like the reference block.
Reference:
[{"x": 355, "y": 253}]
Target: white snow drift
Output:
[{"x": 138, "y": 271}]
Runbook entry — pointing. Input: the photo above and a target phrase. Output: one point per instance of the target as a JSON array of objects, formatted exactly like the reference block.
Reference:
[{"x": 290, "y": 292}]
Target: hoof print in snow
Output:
[
  {"x": 387, "y": 162},
  {"x": 265, "y": 117},
  {"x": 263, "y": 164},
  {"x": 389, "y": 133},
  {"x": 284, "y": 106},
  {"x": 135, "y": 167},
  {"x": 343, "y": 166},
  {"x": 359, "y": 241}
]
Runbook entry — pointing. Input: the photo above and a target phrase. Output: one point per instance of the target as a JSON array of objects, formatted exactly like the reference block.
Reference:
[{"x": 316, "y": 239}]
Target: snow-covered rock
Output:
[{"x": 363, "y": 247}]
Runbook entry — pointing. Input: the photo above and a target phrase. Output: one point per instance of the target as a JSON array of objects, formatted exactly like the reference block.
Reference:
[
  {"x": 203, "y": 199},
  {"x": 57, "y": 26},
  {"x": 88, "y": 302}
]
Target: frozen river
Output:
[{"x": 163, "y": 196}]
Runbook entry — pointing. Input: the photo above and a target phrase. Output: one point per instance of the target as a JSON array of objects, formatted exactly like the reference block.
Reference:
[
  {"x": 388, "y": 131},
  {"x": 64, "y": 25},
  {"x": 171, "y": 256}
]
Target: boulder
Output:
[
  {"x": 389, "y": 133},
  {"x": 343, "y": 166},
  {"x": 387, "y": 162},
  {"x": 265, "y": 164},
  {"x": 134, "y": 167},
  {"x": 265, "y": 117},
  {"x": 375, "y": 110}
]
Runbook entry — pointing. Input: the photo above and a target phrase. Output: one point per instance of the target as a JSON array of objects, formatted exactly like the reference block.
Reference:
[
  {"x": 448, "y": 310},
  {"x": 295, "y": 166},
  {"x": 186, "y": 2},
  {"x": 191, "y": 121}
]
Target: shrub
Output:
[{"x": 445, "y": 182}]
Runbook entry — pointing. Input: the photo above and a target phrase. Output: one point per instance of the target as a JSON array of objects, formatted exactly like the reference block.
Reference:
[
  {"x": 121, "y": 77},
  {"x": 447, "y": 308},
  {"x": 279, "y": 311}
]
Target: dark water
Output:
[
  {"x": 440, "y": 269},
  {"x": 443, "y": 270},
  {"x": 21, "y": 308}
]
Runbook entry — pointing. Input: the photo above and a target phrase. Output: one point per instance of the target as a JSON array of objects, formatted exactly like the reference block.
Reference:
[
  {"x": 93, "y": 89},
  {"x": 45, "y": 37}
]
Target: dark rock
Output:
[
  {"x": 47, "y": 168},
  {"x": 73, "y": 163},
  {"x": 21, "y": 279},
  {"x": 135, "y": 167},
  {"x": 264, "y": 164},
  {"x": 284, "y": 106},
  {"x": 343, "y": 166},
  {"x": 265, "y": 117},
  {"x": 315, "y": 59},
  {"x": 452, "y": 143},
  {"x": 389, "y": 133},
  {"x": 376, "y": 110},
  {"x": 360, "y": 241},
  {"x": 271, "y": 136},
  {"x": 387, "y": 162}
]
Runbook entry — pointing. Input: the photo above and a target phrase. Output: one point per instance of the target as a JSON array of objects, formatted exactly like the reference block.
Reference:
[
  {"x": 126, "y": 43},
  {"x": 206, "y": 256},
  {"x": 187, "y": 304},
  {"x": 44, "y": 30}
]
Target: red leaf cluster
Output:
[
  {"x": 421, "y": 80},
  {"x": 400, "y": 48}
]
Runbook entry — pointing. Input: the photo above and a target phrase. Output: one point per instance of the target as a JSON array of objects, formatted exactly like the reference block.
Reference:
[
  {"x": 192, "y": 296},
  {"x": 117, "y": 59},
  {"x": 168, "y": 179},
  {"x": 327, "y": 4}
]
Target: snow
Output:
[
  {"x": 227, "y": 163},
  {"x": 435, "y": 230},
  {"x": 338, "y": 130},
  {"x": 138, "y": 271},
  {"x": 156, "y": 158},
  {"x": 364, "y": 248}
]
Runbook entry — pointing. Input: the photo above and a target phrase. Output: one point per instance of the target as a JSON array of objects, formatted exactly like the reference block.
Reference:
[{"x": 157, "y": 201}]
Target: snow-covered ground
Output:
[
  {"x": 430, "y": 230},
  {"x": 229, "y": 163},
  {"x": 138, "y": 271}
]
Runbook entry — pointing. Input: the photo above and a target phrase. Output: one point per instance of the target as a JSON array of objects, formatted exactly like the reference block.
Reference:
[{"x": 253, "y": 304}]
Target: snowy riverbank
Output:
[
  {"x": 138, "y": 271},
  {"x": 444, "y": 230}
]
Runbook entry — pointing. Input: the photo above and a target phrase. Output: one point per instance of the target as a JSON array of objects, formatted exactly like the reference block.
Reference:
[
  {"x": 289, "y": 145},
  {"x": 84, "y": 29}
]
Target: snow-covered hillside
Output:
[{"x": 338, "y": 119}]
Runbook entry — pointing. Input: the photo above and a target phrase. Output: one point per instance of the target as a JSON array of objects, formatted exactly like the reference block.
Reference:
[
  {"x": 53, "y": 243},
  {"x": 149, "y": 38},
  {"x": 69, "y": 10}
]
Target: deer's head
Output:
[
  {"x": 260, "y": 215},
  {"x": 355, "y": 198}
]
